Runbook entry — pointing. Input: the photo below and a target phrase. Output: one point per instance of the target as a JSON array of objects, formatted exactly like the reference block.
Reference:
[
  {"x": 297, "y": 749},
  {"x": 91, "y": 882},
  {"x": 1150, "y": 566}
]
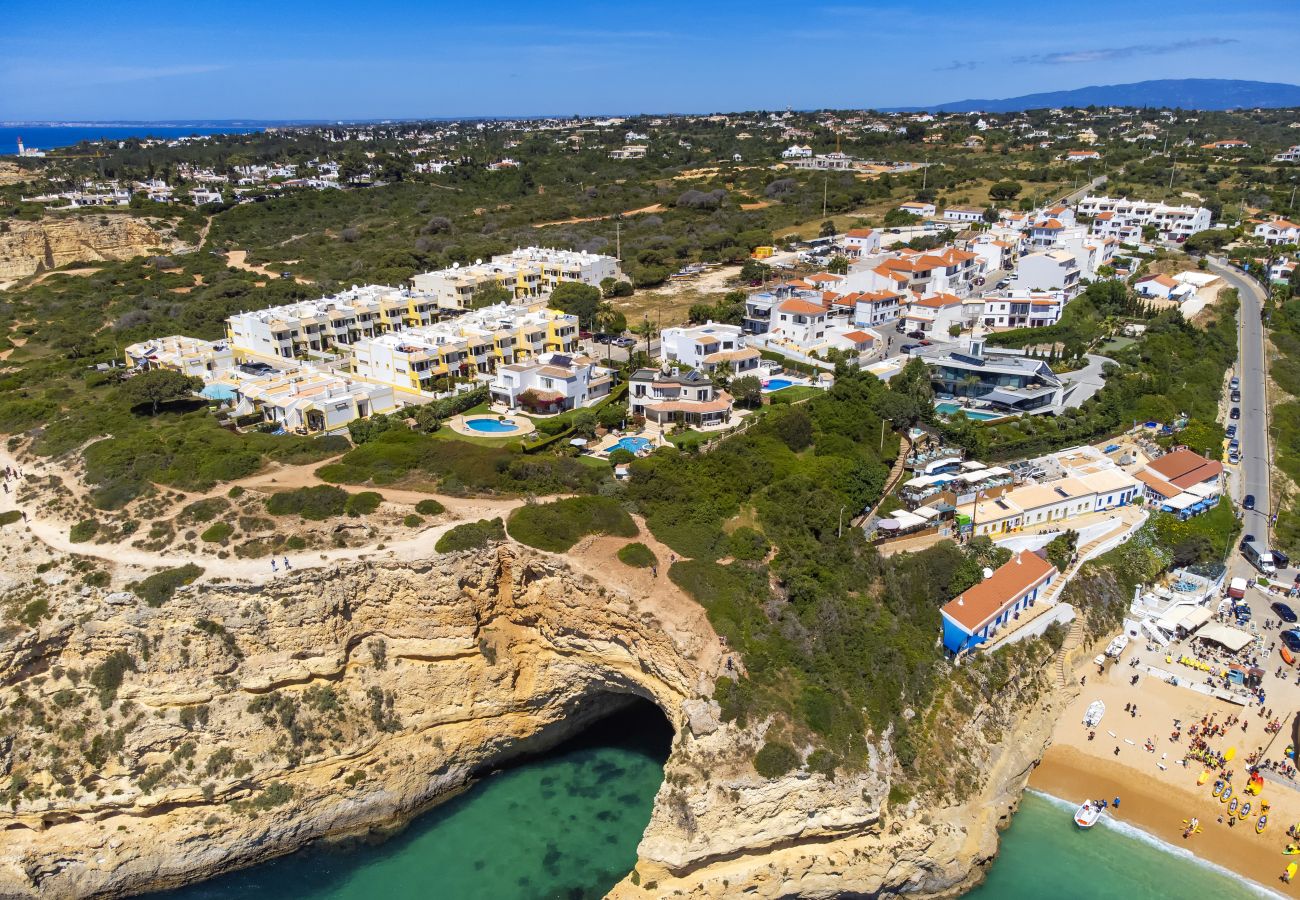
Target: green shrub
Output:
[
  {"x": 204, "y": 510},
  {"x": 217, "y": 532},
  {"x": 363, "y": 504},
  {"x": 83, "y": 531},
  {"x": 775, "y": 759},
  {"x": 747, "y": 543},
  {"x": 430, "y": 507},
  {"x": 637, "y": 555},
  {"x": 10, "y": 516},
  {"x": 159, "y": 587},
  {"x": 558, "y": 525},
  {"x": 315, "y": 503},
  {"x": 413, "y": 521},
  {"x": 296, "y": 542},
  {"x": 471, "y": 536}
]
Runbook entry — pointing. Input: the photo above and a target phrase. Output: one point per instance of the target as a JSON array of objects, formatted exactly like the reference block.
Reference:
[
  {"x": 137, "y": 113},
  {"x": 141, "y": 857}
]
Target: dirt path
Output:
[
  {"x": 653, "y": 208},
  {"x": 236, "y": 259}
]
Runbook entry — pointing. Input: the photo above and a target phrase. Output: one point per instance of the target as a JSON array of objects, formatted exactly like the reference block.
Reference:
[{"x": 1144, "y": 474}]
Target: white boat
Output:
[
  {"x": 1096, "y": 709},
  {"x": 1087, "y": 815}
]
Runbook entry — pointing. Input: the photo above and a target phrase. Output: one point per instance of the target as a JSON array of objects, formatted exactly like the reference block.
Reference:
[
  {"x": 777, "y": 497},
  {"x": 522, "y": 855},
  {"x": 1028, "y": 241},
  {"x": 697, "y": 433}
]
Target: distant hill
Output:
[{"x": 1186, "y": 93}]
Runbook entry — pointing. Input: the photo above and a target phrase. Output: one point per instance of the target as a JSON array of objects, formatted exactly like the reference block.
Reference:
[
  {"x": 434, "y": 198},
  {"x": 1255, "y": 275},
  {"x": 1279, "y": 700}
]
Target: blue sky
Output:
[{"x": 127, "y": 59}]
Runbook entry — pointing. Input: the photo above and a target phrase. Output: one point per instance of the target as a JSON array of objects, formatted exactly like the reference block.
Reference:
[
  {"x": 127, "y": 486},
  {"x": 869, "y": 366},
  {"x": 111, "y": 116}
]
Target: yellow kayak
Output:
[
  {"x": 1290, "y": 871},
  {"x": 1205, "y": 776},
  {"x": 1232, "y": 751}
]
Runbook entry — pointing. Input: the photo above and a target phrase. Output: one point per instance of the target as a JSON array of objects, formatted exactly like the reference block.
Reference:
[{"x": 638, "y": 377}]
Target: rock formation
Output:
[
  {"x": 27, "y": 248},
  {"x": 158, "y": 746}
]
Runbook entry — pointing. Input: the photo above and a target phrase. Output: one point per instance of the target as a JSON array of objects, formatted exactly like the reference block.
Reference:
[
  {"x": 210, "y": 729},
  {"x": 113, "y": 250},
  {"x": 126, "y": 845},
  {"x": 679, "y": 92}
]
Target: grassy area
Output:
[{"x": 558, "y": 525}]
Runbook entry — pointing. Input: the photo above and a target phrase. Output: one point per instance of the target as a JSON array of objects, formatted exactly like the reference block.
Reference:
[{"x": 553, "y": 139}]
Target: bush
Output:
[
  {"x": 747, "y": 543},
  {"x": 362, "y": 504},
  {"x": 471, "y": 536},
  {"x": 83, "y": 531},
  {"x": 217, "y": 532},
  {"x": 316, "y": 503},
  {"x": 8, "y": 517},
  {"x": 160, "y": 587},
  {"x": 430, "y": 507},
  {"x": 637, "y": 555},
  {"x": 775, "y": 759},
  {"x": 413, "y": 521},
  {"x": 204, "y": 510},
  {"x": 558, "y": 525}
]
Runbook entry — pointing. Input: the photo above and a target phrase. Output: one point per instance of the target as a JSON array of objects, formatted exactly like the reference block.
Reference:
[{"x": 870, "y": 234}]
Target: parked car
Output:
[
  {"x": 1281, "y": 560},
  {"x": 1234, "y": 457},
  {"x": 908, "y": 348},
  {"x": 1235, "y": 383},
  {"x": 624, "y": 342},
  {"x": 1284, "y": 612},
  {"x": 1236, "y": 396},
  {"x": 1235, "y": 413},
  {"x": 601, "y": 338},
  {"x": 1246, "y": 539},
  {"x": 916, "y": 335},
  {"x": 1249, "y": 502},
  {"x": 1291, "y": 640},
  {"x": 1232, "y": 431},
  {"x": 923, "y": 343}
]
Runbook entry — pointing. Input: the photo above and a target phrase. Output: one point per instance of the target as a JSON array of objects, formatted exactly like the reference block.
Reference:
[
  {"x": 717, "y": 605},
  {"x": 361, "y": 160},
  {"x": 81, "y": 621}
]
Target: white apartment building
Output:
[
  {"x": 935, "y": 314},
  {"x": 943, "y": 271},
  {"x": 551, "y": 383},
  {"x": 707, "y": 347},
  {"x": 473, "y": 345},
  {"x": 1169, "y": 221},
  {"x": 1278, "y": 231},
  {"x": 965, "y": 214},
  {"x": 330, "y": 324},
  {"x": 1022, "y": 309},
  {"x": 872, "y": 308},
  {"x": 1047, "y": 270},
  {"x": 800, "y": 322},
  {"x": 797, "y": 151},
  {"x": 526, "y": 272},
  {"x": 187, "y": 355},
  {"x": 307, "y": 402}
]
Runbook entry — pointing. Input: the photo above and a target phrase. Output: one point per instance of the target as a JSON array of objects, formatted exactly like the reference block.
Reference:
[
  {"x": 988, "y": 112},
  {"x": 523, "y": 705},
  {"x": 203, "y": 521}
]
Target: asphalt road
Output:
[{"x": 1252, "y": 429}]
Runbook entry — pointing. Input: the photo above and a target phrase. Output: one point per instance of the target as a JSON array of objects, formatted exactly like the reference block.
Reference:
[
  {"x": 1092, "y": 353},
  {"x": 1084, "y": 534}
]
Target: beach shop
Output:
[{"x": 978, "y": 613}]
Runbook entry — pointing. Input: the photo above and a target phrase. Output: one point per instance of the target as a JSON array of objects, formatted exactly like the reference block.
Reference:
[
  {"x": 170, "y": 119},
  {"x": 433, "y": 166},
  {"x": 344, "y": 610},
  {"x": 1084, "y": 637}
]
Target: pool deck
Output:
[
  {"x": 459, "y": 425},
  {"x": 606, "y": 444}
]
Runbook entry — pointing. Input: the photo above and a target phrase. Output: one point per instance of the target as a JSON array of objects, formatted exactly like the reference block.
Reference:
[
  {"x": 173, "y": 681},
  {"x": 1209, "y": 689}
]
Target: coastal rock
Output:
[
  {"x": 250, "y": 720},
  {"x": 28, "y": 248}
]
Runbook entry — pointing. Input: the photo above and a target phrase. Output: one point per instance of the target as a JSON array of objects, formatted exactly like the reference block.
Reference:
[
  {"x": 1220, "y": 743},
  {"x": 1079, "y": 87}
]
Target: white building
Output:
[
  {"x": 797, "y": 151},
  {"x": 526, "y": 272},
  {"x": 1169, "y": 221},
  {"x": 861, "y": 241},
  {"x": 1290, "y": 154},
  {"x": 1022, "y": 309},
  {"x": 963, "y": 214},
  {"x": 1162, "y": 287},
  {"x": 307, "y": 402},
  {"x": 935, "y": 315},
  {"x": 872, "y": 308},
  {"x": 551, "y": 383},
  {"x": 1047, "y": 270},
  {"x": 187, "y": 355},
  {"x": 708, "y": 346},
  {"x": 668, "y": 396},
  {"x": 800, "y": 322},
  {"x": 1278, "y": 231},
  {"x": 916, "y": 208}
]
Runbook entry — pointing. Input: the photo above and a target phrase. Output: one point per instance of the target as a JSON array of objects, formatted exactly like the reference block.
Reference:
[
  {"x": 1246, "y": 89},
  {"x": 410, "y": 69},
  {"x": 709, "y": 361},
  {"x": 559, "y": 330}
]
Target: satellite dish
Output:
[
  {"x": 455, "y": 265},
  {"x": 988, "y": 573},
  {"x": 478, "y": 262}
]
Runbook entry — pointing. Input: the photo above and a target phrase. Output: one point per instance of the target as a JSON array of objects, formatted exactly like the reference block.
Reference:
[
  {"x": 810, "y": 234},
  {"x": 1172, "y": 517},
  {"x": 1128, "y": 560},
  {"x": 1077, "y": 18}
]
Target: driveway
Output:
[{"x": 1088, "y": 380}]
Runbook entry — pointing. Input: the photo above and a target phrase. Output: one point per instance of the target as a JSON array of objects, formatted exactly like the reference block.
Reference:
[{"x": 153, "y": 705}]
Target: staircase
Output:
[
  {"x": 895, "y": 475},
  {"x": 1073, "y": 638}
]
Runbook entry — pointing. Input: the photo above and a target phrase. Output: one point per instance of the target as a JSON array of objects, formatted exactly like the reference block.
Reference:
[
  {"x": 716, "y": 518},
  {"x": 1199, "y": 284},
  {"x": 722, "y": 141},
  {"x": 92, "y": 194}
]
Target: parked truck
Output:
[
  {"x": 1237, "y": 588},
  {"x": 1258, "y": 556}
]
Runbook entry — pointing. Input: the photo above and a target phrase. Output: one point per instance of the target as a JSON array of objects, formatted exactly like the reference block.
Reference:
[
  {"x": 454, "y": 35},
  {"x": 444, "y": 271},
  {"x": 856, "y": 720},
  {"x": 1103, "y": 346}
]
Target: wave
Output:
[{"x": 1137, "y": 834}]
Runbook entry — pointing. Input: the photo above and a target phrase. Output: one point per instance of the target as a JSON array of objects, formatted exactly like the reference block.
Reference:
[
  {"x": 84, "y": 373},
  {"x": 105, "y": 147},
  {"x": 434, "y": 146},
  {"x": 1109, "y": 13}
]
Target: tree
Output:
[
  {"x": 991, "y": 215},
  {"x": 753, "y": 270},
  {"x": 747, "y": 391},
  {"x": 159, "y": 386},
  {"x": 490, "y": 294},
  {"x": 827, "y": 229},
  {"x": 607, "y": 285},
  {"x": 899, "y": 217},
  {"x": 1005, "y": 190},
  {"x": 838, "y": 265},
  {"x": 574, "y": 298}
]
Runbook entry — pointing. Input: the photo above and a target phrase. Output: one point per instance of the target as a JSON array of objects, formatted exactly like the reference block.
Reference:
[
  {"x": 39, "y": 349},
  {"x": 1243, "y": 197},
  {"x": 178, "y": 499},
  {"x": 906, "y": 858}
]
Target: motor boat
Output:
[{"x": 1087, "y": 815}]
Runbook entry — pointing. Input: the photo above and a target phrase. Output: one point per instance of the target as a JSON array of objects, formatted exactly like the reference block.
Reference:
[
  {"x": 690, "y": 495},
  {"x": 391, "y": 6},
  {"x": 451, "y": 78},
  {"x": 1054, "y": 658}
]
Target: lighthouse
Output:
[{"x": 21, "y": 151}]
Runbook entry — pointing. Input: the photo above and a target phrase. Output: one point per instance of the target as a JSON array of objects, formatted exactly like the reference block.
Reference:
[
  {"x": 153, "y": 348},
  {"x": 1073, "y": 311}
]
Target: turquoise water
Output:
[
  {"x": 1043, "y": 854},
  {"x": 491, "y": 426},
  {"x": 565, "y": 825},
  {"x": 218, "y": 392},
  {"x": 631, "y": 444},
  {"x": 949, "y": 409},
  {"x": 777, "y": 384}
]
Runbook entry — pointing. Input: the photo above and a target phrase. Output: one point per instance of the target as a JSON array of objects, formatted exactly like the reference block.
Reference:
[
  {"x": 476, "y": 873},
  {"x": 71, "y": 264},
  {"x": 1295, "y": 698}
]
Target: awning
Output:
[
  {"x": 971, "y": 465},
  {"x": 1181, "y": 502},
  {"x": 1204, "y": 491},
  {"x": 1233, "y": 638},
  {"x": 927, "y": 512},
  {"x": 906, "y": 519},
  {"x": 1195, "y": 618}
]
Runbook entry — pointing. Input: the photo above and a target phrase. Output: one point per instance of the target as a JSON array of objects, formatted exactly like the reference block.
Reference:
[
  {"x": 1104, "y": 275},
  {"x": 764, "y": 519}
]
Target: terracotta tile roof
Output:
[
  {"x": 859, "y": 232},
  {"x": 1157, "y": 484},
  {"x": 802, "y": 308},
  {"x": 824, "y": 276},
  {"x": 1180, "y": 464},
  {"x": 859, "y": 337},
  {"x": 977, "y": 605}
]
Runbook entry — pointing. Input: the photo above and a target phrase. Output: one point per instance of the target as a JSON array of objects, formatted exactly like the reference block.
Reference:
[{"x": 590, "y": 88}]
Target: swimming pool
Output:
[
  {"x": 951, "y": 409},
  {"x": 631, "y": 444},
  {"x": 492, "y": 426},
  {"x": 218, "y": 392},
  {"x": 777, "y": 384}
]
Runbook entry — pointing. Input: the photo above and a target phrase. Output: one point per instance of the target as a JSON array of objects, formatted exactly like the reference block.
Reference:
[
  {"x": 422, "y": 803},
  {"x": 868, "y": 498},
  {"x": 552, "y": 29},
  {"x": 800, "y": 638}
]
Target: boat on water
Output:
[{"x": 1087, "y": 814}]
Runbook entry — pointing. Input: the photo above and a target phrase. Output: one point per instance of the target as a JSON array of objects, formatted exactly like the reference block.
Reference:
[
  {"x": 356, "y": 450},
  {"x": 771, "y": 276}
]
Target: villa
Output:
[
  {"x": 310, "y": 402},
  {"x": 709, "y": 346},
  {"x": 551, "y": 383},
  {"x": 976, "y": 614},
  {"x": 1278, "y": 231},
  {"x": 668, "y": 396},
  {"x": 1022, "y": 309},
  {"x": 1004, "y": 382},
  {"x": 187, "y": 355}
]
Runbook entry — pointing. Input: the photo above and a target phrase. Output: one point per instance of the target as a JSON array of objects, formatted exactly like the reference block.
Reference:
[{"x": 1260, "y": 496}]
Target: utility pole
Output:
[
  {"x": 1173, "y": 167},
  {"x": 825, "y": 179},
  {"x": 840, "y": 530},
  {"x": 925, "y": 172},
  {"x": 618, "y": 240}
]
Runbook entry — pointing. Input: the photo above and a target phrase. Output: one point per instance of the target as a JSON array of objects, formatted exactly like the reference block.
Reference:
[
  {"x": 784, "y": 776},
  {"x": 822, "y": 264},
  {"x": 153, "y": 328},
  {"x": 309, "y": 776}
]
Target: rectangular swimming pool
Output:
[{"x": 951, "y": 409}]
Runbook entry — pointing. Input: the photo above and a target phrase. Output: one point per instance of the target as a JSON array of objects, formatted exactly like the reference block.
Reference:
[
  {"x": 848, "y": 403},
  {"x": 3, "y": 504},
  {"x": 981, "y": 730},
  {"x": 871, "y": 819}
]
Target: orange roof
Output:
[
  {"x": 978, "y": 604},
  {"x": 938, "y": 301},
  {"x": 1157, "y": 484},
  {"x": 802, "y": 308},
  {"x": 824, "y": 276},
  {"x": 1177, "y": 466},
  {"x": 1162, "y": 280},
  {"x": 859, "y": 337},
  {"x": 859, "y": 232},
  {"x": 1104, "y": 215},
  {"x": 1051, "y": 224}
]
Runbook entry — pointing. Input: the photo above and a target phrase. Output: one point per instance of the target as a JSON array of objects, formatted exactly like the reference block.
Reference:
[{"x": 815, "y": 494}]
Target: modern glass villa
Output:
[{"x": 1007, "y": 384}]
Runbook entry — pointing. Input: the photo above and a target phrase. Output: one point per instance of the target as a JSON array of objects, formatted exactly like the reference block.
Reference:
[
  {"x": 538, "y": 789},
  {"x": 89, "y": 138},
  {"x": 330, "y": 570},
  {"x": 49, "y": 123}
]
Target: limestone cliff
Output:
[
  {"x": 152, "y": 747},
  {"x": 28, "y": 248}
]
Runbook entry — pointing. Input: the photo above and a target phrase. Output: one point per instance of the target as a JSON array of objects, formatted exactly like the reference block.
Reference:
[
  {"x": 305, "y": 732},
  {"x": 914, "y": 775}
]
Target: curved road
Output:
[{"x": 1253, "y": 426}]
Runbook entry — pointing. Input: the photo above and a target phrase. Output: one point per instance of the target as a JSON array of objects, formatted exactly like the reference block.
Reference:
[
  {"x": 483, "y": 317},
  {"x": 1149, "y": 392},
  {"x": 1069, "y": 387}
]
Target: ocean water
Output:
[
  {"x": 565, "y": 825},
  {"x": 47, "y": 137},
  {"x": 1043, "y": 854}
]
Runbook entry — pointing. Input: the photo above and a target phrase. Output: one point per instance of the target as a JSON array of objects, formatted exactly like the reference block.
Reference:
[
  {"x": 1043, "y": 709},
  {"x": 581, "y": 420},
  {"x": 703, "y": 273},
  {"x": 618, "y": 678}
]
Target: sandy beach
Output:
[{"x": 1157, "y": 799}]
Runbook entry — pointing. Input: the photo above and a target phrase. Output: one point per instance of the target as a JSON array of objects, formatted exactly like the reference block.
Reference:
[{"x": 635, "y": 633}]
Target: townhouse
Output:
[
  {"x": 708, "y": 346},
  {"x": 473, "y": 345},
  {"x": 947, "y": 270},
  {"x": 328, "y": 325},
  {"x": 1169, "y": 221},
  {"x": 872, "y": 308},
  {"x": 525, "y": 273},
  {"x": 187, "y": 355},
  {"x": 668, "y": 396},
  {"x": 1022, "y": 309},
  {"x": 551, "y": 383},
  {"x": 934, "y": 315}
]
